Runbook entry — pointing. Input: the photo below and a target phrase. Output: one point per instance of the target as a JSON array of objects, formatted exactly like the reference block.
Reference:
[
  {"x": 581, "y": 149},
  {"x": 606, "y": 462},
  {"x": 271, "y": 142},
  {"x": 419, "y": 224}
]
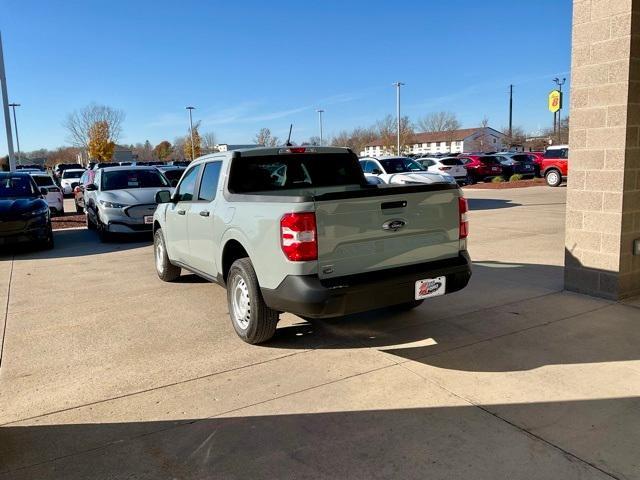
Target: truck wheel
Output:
[
  {"x": 166, "y": 270},
  {"x": 252, "y": 319},
  {"x": 553, "y": 178},
  {"x": 471, "y": 178}
]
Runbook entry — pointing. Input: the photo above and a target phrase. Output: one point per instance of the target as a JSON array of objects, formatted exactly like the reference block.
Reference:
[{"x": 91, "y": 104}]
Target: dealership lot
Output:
[{"x": 107, "y": 371}]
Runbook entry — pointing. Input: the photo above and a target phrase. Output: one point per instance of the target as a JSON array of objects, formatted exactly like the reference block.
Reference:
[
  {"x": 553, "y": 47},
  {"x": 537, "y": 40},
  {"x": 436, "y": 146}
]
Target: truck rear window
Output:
[{"x": 288, "y": 171}]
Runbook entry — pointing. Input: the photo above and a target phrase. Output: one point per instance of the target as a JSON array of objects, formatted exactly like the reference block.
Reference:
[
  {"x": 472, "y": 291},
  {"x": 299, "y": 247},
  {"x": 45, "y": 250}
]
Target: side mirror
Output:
[
  {"x": 163, "y": 196},
  {"x": 91, "y": 187},
  {"x": 43, "y": 191},
  {"x": 376, "y": 171}
]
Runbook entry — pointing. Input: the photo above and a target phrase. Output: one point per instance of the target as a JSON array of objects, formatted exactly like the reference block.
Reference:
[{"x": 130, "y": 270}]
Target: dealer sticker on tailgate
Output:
[{"x": 430, "y": 287}]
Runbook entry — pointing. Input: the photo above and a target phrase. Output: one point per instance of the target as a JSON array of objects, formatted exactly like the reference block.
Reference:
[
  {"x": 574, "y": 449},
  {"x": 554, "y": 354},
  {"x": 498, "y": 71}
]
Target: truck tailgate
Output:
[{"x": 376, "y": 232}]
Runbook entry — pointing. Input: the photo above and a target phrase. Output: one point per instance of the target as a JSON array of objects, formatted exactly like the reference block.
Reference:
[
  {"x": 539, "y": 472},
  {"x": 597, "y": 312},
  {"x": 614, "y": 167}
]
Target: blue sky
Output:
[{"x": 252, "y": 64}]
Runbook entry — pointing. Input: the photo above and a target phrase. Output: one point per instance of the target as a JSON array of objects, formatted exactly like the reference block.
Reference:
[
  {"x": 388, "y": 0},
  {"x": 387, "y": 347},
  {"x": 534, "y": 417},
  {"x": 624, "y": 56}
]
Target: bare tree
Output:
[
  {"x": 264, "y": 137},
  {"x": 439, "y": 122},
  {"x": 209, "y": 142},
  {"x": 387, "y": 129},
  {"x": 356, "y": 139},
  {"x": 80, "y": 122},
  {"x": 178, "y": 148},
  {"x": 484, "y": 123}
]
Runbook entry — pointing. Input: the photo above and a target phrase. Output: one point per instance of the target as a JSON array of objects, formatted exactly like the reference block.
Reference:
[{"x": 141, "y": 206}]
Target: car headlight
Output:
[
  {"x": 107, "y": 204},
  {"x": 37, "y": 213}
]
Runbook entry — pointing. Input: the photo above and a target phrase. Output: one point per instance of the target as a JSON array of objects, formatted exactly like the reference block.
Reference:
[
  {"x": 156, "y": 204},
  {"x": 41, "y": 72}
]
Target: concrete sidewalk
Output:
[{"x": 115, "y": 374}]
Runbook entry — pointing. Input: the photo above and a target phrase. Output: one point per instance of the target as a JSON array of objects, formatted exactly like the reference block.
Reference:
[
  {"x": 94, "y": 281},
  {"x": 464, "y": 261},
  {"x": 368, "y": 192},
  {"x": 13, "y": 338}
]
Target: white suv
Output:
[{"x": 70, "y": 178}]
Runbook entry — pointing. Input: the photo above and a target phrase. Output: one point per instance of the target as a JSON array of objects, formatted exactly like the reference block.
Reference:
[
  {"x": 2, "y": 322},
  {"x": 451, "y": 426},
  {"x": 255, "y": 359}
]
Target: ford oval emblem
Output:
[{"x": 393, "y": 225}]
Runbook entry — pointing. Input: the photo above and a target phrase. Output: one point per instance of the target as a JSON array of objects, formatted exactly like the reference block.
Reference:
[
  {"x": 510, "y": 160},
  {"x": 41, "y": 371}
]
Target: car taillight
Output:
[
  {"x": 298, "y": 236},
  {"x": 463, "y": 208}
]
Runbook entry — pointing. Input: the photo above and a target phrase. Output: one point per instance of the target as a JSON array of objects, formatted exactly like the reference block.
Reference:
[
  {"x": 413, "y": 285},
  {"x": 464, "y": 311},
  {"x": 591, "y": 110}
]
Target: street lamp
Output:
[
  {"x": 320, "y": 112},
  {"x": 398, "y": 85},
  {"x": 193, "y": 148},
  {"x": 15, "y": 125},
  {"x": 559, "y": 83}
]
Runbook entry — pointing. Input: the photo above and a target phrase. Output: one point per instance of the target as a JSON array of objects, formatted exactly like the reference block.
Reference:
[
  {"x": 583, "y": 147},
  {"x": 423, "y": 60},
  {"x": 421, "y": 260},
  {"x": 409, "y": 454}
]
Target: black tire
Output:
[
  {"x": 553, "y": 177},
  {"x": 103, "y": 234},
  {"x": 257, "y": 323},
  {"x": 90, "y": 224},
  {"x": 471, "y": 179},
  {"x": 47, "y": 244},
  {"x": 79, "y": 209},
  {"x": 409, "y": 305},
  {"x": 166, "y": 270}
]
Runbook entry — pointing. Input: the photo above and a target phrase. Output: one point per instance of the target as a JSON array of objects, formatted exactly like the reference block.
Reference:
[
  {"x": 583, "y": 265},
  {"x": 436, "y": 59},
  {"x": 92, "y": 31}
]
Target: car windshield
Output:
[
  {"x": 12, "y": 186},
  {"x": 43, "y": 180},
  {"x": 72, "y": 173},
  {"x": 401, "y": 165},
  {"x": 280, "y": 172},
  {"x": 174, "y": 174},
  {"x": 123, "y": 179}
]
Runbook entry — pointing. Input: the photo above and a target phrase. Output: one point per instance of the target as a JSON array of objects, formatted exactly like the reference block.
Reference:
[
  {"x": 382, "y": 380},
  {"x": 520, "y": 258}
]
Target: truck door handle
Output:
[
  {"x": 204, "y": 213},
  {"x": 400, "y": 204},
  {"x": 180, "y": 212}
]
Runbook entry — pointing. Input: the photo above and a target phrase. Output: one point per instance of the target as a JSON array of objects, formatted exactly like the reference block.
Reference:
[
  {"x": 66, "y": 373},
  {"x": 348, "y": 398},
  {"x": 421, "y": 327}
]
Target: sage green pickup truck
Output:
[{"x": 299, "y": 229}]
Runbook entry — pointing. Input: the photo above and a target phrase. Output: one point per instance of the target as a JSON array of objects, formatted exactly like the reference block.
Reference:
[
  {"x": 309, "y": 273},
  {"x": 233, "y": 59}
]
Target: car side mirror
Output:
[
  {"x": 163, "y": 196},
  {"x": 91, "y": 187},
  {"x": 43, "y": 191},
  {"x": 376, "y": 171}
]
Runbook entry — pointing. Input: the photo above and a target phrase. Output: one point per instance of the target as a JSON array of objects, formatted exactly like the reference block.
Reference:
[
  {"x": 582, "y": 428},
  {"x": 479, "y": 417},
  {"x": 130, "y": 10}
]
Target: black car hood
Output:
[{"x": 11, "y": 208}]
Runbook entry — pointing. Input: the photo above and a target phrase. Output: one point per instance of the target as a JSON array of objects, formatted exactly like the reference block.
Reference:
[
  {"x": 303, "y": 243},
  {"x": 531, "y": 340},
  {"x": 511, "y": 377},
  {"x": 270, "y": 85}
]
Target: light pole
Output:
[
  {"x": 560, "y": 83},
  {"x": 193, "y": 147},
  {"x": 15, "y": 126},
  {"x": 398, "y": 85},
  {"x": 5, "y": 108},
  {"x": 320, "y": 112}
]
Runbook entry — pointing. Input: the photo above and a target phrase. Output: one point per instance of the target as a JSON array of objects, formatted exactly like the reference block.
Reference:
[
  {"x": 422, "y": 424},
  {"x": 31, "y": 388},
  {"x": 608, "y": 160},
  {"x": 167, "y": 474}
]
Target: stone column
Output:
[{"x": 603, "y": 192}]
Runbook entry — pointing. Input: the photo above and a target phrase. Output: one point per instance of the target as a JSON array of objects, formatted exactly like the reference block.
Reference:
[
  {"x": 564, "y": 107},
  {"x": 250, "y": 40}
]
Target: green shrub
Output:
[
  {"x": 515, "y": 177},
  {"x": 497, "y": 179}
]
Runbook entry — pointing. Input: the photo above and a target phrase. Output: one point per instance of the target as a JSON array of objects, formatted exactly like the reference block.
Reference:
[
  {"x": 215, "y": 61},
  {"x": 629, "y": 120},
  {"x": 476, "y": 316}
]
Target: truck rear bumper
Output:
[{"x": 308, "y": 296}]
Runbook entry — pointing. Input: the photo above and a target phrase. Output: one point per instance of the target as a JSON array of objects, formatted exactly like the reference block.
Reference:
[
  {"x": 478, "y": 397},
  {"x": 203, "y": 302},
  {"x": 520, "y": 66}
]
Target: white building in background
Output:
[{"x": 482, "y": 139}]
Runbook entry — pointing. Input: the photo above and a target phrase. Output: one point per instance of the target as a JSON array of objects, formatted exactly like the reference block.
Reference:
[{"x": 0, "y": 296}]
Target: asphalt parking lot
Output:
[{"x": 107, "y": 372}]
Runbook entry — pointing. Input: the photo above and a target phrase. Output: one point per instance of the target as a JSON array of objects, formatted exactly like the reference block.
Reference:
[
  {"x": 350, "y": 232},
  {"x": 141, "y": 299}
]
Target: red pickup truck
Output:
[
  {"x": 555, "y": 165},
  {"x": 480, "y": 167}
]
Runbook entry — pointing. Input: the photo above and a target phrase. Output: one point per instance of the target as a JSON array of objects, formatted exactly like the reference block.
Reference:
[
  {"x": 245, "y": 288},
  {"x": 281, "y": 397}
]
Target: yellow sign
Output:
[{"x": 555, "y": 101}]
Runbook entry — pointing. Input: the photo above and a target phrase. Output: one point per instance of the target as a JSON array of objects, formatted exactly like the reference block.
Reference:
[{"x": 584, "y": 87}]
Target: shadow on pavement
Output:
[
  {"x": 412, "y": 443},
  {"x": 551, "y": 328},
  {"x": 79, "y": 243},
  {"x": 490, "y": 203}
]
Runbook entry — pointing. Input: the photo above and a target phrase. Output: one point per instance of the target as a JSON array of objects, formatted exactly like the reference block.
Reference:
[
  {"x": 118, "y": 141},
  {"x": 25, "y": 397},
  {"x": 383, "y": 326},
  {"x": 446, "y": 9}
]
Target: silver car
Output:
[{"x": 122, "y": 199}]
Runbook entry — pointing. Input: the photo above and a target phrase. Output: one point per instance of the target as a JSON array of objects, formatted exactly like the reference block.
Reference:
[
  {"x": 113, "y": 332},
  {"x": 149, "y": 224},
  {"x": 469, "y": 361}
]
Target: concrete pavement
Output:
[{"x": 108, "y": 372}]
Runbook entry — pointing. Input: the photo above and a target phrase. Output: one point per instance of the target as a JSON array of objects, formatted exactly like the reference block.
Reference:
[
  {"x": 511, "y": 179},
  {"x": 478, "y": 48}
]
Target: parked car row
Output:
[{"x": 470, "y": 168}]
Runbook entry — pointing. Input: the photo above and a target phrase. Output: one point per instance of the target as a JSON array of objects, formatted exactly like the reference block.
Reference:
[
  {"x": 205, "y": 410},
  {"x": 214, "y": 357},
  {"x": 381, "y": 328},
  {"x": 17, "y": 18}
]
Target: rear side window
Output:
[
  {"x": 451, "y": 162},
  {"x": 287, "y": 171},
  {"x": 209, "y": 182},
  {"x": 557, "y": 153},
  {"x": 43, "y": 181}
]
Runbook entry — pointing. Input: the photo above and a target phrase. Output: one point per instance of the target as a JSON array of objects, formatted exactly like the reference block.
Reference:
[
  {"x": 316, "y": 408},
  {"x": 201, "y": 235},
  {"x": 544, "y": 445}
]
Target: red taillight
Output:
[
  {"x": 463, "y": 208},
  {"x": 298, "y": 236}
]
